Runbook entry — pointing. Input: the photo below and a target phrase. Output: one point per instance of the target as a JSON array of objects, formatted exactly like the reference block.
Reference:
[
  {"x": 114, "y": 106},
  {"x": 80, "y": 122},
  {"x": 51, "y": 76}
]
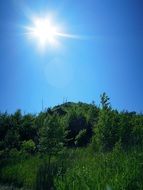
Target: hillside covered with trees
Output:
[{"x": 72, "y": 146}]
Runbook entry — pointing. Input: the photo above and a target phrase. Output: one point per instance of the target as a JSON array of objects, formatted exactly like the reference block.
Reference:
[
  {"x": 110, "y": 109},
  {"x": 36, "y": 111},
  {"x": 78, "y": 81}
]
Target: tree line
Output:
[{"x": 70, "y": 125}]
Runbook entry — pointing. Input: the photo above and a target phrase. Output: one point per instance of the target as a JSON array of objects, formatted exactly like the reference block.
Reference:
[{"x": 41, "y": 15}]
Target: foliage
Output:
[
  {"x": 28, "y": 146},
  {"x": 51, "y": 136},
  {"x": 105, "y": 104},
  {"x": 12, "y": 139},
  {"x": 21, "y": 173},
  {"x": 74, "y": 123},
  {"x": 114, "y": 162},
  {"x": 116, "y": 170},
  {"x": 106, "y": 131},
  {"x": 50, "y": 143},
  {"x": 45, "y": 176},
  {"x": 81, "y": 138}
]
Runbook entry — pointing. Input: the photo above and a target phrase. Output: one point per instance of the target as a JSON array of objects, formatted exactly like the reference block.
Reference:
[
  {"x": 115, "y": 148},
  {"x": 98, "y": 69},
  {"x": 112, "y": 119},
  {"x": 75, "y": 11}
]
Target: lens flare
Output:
[{"x": 45, "y": 32}]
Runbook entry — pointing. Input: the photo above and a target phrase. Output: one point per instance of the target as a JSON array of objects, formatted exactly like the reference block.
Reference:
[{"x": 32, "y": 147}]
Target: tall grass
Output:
[
  {"x": 21, "y": 173},
  {"x": 79, "y": 169},
  {"x": 117, "y": 170}
]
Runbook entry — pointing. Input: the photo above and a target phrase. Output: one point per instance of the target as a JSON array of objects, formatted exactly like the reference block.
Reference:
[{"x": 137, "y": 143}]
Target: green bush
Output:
[
  {"x": 81, "y": 138},
  {"x": 28, "y": 146}
]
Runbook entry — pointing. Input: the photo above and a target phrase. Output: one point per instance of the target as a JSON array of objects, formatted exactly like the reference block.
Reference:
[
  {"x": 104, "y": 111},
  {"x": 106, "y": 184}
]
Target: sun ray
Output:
[{"x": 46, "y": 32}]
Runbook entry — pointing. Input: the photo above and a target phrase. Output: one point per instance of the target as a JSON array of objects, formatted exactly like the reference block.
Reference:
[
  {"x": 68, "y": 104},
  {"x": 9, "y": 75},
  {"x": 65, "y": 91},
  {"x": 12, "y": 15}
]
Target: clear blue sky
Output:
[{"x": 110, "y": 60}]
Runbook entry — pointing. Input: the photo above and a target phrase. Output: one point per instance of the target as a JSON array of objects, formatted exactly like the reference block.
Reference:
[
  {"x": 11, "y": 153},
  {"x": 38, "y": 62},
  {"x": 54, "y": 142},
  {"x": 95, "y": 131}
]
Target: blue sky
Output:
[{"x": 109, "y": 59}]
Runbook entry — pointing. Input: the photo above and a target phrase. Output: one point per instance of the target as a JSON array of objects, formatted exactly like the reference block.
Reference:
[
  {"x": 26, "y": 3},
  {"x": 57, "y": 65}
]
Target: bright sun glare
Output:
[{"x": 46, "y": 33}]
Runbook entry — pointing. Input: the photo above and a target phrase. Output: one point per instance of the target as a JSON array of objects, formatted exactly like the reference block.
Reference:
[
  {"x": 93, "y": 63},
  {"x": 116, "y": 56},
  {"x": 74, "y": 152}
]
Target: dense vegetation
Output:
[{"x": 72, "y": 146}]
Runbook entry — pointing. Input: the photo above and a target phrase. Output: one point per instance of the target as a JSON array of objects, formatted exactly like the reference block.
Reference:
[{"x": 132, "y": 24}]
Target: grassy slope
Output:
[
  {"x": 85, "y": 170},
  {"x": 116, "y": 170},
  {"x": 21, "y": 173}
]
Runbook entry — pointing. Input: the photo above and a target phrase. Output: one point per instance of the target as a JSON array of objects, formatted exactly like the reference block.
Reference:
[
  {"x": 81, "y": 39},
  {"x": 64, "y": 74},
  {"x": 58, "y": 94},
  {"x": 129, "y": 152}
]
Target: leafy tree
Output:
[
  {"x": 81, "y": 138},
  {"x": 125, "y": 129},
  {"x": 105, "y": 104},
  {"x": 28, "y": 146},
  {"x": 106, "y": 130},
  {"x": 17, "y": 118},
  {"x": 51, "y": 137},
  {"x": 74, "y": 123},
  {"x": 137, "y": 131},
  {"x": 51, "y": 144},
  {"x": 4, "y": 124},
  {"x": 12, "y": 139},
  {"x": 92, "y": 114},
  {"x": 131, "y": 129},
  {"x": 27, "y": 129}
]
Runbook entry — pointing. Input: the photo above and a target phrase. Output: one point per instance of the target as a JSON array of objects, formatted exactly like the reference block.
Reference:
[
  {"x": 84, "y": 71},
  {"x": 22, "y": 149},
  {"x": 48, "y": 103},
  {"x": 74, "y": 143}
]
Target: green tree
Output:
[
  {"x": 51, "y": 137},
  {"x": 106, "y": 130},
  {"x": 12, "y": 139},
  {"x": 137, "y": 131},
  {"x": 27, "y": 129},
  {"x": 28, "y": 146},
  {"x": 51, "y": 144},
  {"x": 105, "y": 101},
  {"x": 81, "y": 138},
  {"x": 75, "y": 122}
]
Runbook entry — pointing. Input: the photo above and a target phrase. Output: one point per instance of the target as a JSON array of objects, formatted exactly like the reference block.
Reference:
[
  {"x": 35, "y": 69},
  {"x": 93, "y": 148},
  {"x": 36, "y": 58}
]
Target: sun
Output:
[{"x": 44, "y": 31}]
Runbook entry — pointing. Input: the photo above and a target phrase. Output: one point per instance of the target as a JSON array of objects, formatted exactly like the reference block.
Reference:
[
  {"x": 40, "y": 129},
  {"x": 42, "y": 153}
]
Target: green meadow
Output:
[{"x": 73, "y": 146}]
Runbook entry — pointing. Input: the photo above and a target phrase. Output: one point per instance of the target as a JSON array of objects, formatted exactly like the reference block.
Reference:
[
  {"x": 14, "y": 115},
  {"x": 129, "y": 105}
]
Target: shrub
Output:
[
  {"x": 81, "y": 138},
  {"x": 28, "y": 146}
]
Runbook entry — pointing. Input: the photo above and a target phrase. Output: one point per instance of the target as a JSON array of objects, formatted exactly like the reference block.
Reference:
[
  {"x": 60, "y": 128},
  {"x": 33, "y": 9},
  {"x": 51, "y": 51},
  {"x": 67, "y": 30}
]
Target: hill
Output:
[{"x": 72, "y": 146}]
